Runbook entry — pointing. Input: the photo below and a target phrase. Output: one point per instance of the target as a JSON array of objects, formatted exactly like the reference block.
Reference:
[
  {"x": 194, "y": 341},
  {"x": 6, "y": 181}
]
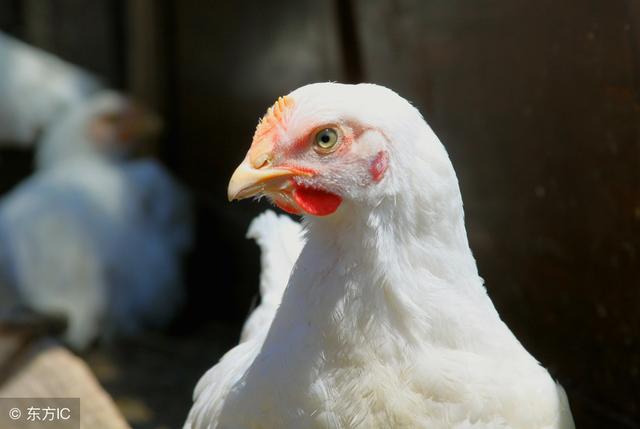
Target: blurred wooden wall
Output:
[{"x": 537, "y": 103}]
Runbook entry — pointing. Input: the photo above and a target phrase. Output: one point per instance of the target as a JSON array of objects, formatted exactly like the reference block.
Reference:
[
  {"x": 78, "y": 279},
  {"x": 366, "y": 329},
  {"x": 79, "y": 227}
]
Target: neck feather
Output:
[{"x": 397, "y": 267}]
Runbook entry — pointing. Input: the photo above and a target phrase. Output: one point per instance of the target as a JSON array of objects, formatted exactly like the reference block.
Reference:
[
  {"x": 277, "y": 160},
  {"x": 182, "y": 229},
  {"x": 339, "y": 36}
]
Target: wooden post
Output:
[{"x": 145, "y": 71}]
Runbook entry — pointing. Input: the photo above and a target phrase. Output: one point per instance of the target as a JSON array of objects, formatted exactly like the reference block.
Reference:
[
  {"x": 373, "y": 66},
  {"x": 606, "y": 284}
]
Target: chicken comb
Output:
[{"x": 275, "y": 117}]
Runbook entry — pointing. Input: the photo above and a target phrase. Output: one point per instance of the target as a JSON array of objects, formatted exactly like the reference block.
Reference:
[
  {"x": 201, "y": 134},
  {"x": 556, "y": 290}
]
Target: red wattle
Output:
[
  {"x": 315, "y": 201},
  {"x": 286, "y": 206}
]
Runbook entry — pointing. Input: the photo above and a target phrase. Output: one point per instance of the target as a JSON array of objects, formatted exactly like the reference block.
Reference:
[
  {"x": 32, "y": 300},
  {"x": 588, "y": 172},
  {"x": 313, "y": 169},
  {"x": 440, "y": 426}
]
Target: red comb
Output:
[{"x": 276, "y": 116}]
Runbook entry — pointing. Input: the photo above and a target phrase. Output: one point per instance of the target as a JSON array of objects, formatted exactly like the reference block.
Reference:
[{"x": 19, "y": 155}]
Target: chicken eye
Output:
[{"x": 326, "y": 140}]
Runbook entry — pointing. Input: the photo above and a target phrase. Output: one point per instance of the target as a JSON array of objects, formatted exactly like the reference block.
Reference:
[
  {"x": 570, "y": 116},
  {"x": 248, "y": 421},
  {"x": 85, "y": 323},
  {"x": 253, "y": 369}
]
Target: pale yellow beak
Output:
[
  {"x": 256, "y": 175},
  {"x": 248, "y": 181}
]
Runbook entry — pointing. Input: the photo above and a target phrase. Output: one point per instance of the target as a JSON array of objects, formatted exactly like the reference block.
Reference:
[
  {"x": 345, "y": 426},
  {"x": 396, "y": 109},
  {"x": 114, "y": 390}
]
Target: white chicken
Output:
[
  {"x": 36, "y": 88},
  {"x": 92, "y": 236},
  {"x": 385, "y": 321}
]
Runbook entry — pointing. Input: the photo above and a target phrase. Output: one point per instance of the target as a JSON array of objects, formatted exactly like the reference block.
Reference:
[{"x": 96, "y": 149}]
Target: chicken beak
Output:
[
  {"x": 140, "y": 123},
  {"x": 248, "y": 181}
]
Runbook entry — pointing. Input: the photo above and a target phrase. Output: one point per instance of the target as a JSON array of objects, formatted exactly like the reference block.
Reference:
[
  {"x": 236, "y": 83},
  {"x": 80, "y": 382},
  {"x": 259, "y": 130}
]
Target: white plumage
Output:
[
  {"x": 280, "y": 239},
  {"x": 385, "y": 321},
  {"x": 94, "y": 237},
  {"x": 36, "y": 88}
]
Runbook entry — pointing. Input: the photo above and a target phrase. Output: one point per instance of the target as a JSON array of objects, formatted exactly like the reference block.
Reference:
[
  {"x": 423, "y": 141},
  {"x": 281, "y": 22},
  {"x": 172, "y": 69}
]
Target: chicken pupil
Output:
[{"x": 325, "y": 138}]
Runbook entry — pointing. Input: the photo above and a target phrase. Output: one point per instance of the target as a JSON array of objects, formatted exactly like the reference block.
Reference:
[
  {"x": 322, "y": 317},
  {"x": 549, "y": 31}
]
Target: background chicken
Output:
[
  {"x": 93, "y": 235},
  {"x": 385, "y": 321}
]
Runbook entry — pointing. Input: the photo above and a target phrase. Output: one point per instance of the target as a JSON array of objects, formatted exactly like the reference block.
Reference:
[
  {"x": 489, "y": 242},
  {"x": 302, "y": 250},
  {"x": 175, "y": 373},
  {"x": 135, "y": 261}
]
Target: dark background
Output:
[{"x": 536, "y": 101}]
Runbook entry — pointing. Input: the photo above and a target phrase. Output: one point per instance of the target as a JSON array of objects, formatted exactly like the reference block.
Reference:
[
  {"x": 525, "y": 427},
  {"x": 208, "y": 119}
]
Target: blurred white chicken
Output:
[
  {"x": 92, "y": 235},
  {"x": 36, "y": 88},
  {"x": 384, "y": 322}
]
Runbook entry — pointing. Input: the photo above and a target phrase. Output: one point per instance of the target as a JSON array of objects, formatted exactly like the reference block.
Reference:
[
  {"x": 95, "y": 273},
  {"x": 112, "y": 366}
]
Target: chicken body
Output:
[
  {"x": 92, "y": 236},
  {"x": 385, "y": 321}
]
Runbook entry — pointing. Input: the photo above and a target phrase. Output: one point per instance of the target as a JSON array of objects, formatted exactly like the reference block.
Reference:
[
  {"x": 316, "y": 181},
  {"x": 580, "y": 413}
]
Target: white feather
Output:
[
  {"x": 280, "y": 239},
  {"x": 385, "y": 321}
]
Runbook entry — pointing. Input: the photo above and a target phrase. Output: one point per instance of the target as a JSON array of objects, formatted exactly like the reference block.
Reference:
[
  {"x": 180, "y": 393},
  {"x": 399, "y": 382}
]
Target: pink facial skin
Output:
[{"x": 379, "y": 166}]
